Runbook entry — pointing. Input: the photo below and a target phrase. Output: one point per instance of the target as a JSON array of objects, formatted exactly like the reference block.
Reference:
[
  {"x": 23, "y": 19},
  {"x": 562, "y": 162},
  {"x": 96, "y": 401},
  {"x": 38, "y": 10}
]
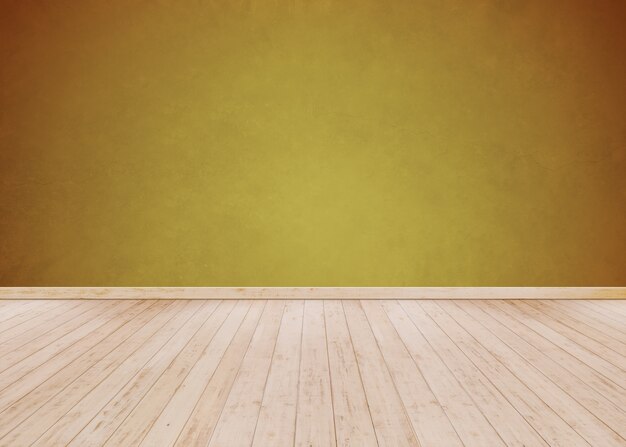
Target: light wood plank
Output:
[
  {"x": 17, "y": 308},
  {"x": 590, "y": 331},
  {"x": 152, "y": 387},
  {"x": 389, "y": 417},
  {"x": 604, "y": 312},
  {"x": 118, "y": 388},
  {"x": 138, "y": 350},
  {"x": 61, "y": 360},
  {"x": 601, "y": 407},
  {"x": 616, "y": 308},
  {"x": 570, "y": 410},
  {"x": 582, "y": 339},
  {"x": 172, "y": 391},
  {"x": 315, "y": 424},
  {"x": 87, "y": 328},
  {"x": 121, "y": 339},
  {"x": 548, "y": 423},
  {"x": 238, "y": 419},
  {"x": 590, "y": 318},
  {"x": 353, "y": 422},
  {"x": 536, "y": 322},
  {"x": 12, "y": 336},
  {"x": 276, "y": 423},
  {"x": 574, "y": 365},
  {"x": 34, "y": 339},
  {"x": 19, "y": 320},
  {"x": 468, "y": 396},
  {"x": 167, "y": 426},
  {"x": 428, "y": 418},
  {"x": 479, "y": 373},
  {"x": 202, "y": 421}
]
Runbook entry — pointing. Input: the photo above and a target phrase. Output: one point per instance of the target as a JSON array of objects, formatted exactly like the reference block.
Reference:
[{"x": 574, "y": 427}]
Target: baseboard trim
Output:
[{"x": 21, "y": 293}]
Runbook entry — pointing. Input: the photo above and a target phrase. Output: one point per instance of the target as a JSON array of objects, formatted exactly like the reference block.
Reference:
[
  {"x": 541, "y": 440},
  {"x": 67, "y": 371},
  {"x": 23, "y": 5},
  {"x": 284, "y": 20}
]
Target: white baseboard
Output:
[{"x": 16, "y": 293}]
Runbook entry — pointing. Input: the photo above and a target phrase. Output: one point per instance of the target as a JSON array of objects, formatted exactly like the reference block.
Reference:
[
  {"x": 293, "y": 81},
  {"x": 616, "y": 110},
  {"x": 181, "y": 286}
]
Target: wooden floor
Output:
[{"x": 313, "y": 373}]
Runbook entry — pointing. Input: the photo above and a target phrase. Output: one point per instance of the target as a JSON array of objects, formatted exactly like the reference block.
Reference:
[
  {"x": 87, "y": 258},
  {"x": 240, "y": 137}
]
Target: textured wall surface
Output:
[{"x": 292, "y": 143}]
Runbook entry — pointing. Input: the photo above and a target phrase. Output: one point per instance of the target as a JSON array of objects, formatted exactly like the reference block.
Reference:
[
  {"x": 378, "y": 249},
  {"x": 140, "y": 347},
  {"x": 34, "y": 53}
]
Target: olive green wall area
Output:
[{"x": 329, "y": 143}]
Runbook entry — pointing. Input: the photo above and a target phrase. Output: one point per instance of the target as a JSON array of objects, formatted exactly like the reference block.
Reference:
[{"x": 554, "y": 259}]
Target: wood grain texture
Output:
[
  {"x": 315, "y": 423},
  {"x": 313, "y": 373}
]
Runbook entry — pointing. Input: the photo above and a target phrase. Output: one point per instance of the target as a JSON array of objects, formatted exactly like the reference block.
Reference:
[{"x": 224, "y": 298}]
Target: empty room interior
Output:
[{"x": 313, "y": 223}]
